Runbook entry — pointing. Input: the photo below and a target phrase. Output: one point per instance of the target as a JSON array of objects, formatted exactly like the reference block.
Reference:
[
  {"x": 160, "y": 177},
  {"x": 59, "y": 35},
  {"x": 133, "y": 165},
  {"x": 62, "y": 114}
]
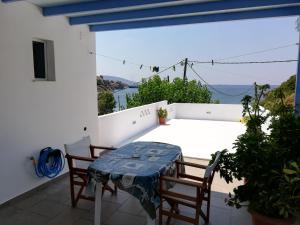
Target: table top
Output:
[{"x": 136, "y": 168}]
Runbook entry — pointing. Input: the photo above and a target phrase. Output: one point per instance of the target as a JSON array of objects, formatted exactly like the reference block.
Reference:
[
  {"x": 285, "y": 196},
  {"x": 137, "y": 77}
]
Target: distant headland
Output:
[{"x": 111, "y": 83}]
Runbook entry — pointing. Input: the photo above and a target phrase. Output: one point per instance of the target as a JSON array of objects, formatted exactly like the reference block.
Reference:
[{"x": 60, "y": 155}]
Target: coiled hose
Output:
[{"x": 51, "y": 162}]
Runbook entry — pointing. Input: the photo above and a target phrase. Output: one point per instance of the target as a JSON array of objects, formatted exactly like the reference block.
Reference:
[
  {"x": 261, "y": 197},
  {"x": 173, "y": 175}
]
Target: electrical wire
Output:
[
  {"x": 172, "y": 66},
  {"x": 222, "y": 70},
  {"x": 124, "y": 61},
  {"x": 244, "y": 62},
  {"x": 141, "y": 65},
  {"x": 258, "y": 52},
  {"x": 215, "y": 89}
]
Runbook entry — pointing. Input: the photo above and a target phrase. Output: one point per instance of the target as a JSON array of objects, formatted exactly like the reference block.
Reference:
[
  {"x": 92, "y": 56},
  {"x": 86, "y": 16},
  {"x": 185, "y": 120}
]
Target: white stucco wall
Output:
[
  {"x": 34, "y": 115},
  {"x": 222, "y": 112},
  {"x": 119, "y": 128}
]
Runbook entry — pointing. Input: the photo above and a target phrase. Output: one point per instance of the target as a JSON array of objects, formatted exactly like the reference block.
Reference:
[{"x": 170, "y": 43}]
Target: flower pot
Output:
[
  {"x": 162, "y": 120},
  {"x": 259, "y": 219}
]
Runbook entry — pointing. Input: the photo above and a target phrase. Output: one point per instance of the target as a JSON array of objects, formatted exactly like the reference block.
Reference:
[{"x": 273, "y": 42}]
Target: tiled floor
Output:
[{"x": 51, "y": 206}]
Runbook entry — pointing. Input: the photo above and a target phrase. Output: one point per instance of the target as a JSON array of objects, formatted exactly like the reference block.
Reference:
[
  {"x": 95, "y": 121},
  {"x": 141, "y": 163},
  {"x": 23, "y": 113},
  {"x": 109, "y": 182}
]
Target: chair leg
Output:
[
  {"x": 72, "y": 191},
  {"x": 175, "y": 208},
  {"x": 208, "y": 208},
  {"x": 198, "y": 214},
  {"x": 160, "y": 213},
  {"x": 79, "y": 194},
  {"x": 116, "y": 189},
  {"x": 168, "y": 220}
]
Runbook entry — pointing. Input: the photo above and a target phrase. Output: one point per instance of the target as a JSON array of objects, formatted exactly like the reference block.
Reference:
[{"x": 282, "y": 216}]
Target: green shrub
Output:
[{"x": 261, "y": 159}]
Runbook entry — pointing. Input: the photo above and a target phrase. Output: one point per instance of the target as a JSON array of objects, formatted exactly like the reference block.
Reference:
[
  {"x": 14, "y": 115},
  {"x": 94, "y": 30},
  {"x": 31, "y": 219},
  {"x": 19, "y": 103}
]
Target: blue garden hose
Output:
[{"x": 51, "y": 162}]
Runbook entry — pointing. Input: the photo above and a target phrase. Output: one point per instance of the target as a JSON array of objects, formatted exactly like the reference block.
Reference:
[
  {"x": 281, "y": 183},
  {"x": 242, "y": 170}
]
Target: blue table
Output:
[{"x": 135, "y": 168}]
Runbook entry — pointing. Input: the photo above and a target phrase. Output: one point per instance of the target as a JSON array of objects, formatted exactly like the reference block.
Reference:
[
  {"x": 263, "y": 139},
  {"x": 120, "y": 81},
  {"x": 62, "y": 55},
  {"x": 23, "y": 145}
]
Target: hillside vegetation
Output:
[
  {"x": 109, "y": 85},
  {"x": 287, "y": 89}
]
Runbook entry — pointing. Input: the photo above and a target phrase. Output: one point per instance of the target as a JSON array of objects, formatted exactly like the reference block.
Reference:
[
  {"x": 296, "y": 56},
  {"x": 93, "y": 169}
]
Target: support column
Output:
[{"x": 297, "y": 86}]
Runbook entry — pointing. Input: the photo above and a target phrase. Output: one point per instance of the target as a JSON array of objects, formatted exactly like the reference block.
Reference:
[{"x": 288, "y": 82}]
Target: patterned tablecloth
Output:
[{"x": 135, "y": 168}]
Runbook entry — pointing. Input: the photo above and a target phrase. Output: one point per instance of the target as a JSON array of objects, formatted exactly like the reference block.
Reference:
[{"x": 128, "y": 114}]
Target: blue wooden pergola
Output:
[{"x": 107, "y": 15}]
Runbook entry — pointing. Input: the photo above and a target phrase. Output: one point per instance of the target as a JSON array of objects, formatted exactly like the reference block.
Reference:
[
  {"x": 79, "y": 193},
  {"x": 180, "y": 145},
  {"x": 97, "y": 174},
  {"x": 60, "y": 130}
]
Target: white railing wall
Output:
[
  {"x": 223, "y": 112},
  {"x": 171, "y": 108},
  {"x": 117, "y": 128}
]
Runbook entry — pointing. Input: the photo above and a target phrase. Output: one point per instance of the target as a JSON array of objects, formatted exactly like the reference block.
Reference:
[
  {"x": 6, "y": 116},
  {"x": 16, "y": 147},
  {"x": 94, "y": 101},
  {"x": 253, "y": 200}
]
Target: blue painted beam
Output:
[
  {"x": 97, "y": 5},
  {"x": 297, "y": 87},
  {"x": 175, "y": 10},
  {"x": 277, "y": 12},
  {"x": 7, "y": 1}
]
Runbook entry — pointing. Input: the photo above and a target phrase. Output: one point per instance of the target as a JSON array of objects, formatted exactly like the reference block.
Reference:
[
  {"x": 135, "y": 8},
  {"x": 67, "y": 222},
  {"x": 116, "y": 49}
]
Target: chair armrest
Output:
[
  {"x": 180, "y": 181},
  {"x": 191, "y": 164},
  {"x": 189, "y": 176},
  {"x": 102, "y": 147},
  {"x": 93, "y": 147},
  {"x": 80, "y": 158}
]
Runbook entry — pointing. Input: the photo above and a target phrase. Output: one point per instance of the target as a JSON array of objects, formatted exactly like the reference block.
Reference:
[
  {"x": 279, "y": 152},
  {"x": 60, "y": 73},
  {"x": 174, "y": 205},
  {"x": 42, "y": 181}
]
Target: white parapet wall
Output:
[
  {"x": 36, "y": 114},
  {"x": 118, "y": 128},
  {"x": 220, "y": 112},
  {"x": 171, "y": 108}
]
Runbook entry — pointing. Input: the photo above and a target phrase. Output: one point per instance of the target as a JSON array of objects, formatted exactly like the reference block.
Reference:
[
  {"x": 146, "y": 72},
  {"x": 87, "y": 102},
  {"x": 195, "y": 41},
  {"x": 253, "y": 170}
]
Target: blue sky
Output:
[{"x": 165, "y": 46}]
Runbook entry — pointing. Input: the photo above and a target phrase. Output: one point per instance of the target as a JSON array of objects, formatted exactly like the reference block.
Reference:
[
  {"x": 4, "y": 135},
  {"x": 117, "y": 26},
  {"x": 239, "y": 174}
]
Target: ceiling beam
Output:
[
  {"x": 103, "y": 5},
  {"x": 266, "y": 13},
  {"x": 177, "y": 10},
  {"x": 6, "y": 1}
]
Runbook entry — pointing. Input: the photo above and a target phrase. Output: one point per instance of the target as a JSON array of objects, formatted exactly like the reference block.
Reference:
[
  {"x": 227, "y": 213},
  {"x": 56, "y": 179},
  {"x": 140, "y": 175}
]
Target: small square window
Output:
[{"x": 43, "y": 60}]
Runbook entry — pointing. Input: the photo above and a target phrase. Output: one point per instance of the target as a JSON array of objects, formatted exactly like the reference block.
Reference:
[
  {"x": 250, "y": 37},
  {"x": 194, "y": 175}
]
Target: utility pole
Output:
[
  {"x": 119, "y": 104},
  {"x": 184, "y": 70},
  {"x": 184, "y": 78},
  {"x": 297, "y": 86}
]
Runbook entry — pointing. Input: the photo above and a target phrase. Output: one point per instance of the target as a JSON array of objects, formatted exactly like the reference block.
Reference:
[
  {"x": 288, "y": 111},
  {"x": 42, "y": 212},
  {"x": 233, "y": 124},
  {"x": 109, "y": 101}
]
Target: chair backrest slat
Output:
[
  {"x": 210, "y": 169},
  {"x": 80, "y": 148}
]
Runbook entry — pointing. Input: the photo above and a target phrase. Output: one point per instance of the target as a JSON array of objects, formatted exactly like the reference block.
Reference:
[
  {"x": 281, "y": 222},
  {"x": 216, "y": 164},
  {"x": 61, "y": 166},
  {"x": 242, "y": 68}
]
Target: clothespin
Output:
[
  {"x": 212, "y": 62},
  {"x": 124, "y": 61},
  {"x": 141, "y": 66}
]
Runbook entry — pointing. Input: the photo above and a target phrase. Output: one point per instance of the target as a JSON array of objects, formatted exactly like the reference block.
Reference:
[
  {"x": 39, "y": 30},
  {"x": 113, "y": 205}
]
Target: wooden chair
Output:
[
  {"x": 201, "y": 188},
  {"x": 79, "y": 156}
]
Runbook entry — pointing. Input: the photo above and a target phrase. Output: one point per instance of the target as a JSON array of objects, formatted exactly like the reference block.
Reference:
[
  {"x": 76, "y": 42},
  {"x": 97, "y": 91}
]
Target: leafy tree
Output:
[
  {"x": 106, "y": 102},
  {"x": 181, "y": 91}
]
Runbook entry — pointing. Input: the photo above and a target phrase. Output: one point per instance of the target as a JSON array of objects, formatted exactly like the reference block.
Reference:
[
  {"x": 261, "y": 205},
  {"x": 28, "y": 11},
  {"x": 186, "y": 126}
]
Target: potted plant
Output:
[
  {"x": 162, "y": 115},
  {"x": 263, "y": 158}
]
